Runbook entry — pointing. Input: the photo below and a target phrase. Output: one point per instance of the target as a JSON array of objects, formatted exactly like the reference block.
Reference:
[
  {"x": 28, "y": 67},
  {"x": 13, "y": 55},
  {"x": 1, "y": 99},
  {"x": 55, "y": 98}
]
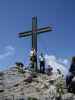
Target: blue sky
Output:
[{"x": 16, "y": 16}]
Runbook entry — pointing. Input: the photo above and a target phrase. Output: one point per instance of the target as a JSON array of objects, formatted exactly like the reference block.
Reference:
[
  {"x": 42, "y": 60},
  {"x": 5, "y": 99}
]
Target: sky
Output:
[{"x": 16, "y": 16}]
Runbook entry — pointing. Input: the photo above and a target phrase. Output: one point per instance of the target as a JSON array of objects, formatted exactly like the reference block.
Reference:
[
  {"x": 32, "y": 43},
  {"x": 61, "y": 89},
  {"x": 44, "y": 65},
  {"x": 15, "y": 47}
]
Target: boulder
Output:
[{"x": 68, "y": 96}]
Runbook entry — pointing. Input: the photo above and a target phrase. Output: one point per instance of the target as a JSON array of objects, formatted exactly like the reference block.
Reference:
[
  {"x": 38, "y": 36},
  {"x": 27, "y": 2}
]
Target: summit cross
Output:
[{"x": 34, "y": 32}]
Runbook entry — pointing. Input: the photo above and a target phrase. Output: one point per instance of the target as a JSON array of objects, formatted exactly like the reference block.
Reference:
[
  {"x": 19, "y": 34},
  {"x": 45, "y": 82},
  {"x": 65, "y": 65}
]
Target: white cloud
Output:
[
  {"x": 10, "y": 48},
  {"x": 63, "y": 61},
  {"x": 50, "y": 57},
  {"x": 9, "y": 51},
  {"x": 57, "y": 63}
]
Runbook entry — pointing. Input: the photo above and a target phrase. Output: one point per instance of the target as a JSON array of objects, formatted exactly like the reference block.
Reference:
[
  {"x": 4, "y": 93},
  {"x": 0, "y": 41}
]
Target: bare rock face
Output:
[{"x": 19, "y": 85}]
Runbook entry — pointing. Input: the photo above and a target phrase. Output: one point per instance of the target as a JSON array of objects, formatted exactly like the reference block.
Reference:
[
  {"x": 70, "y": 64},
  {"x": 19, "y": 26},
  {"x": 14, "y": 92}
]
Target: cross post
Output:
[
  {"x": 34, "y": 38},
  {"x": 34, "y": 34}
]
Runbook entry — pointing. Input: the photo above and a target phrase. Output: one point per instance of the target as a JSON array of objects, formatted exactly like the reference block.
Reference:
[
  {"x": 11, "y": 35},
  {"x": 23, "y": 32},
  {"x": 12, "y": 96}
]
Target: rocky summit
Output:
[{"x": 18, "y": 84}]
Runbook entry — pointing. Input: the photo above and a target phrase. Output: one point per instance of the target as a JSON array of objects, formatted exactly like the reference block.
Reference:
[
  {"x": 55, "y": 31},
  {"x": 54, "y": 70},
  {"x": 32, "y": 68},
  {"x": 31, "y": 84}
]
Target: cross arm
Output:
[{"x": 40, "y": 30}]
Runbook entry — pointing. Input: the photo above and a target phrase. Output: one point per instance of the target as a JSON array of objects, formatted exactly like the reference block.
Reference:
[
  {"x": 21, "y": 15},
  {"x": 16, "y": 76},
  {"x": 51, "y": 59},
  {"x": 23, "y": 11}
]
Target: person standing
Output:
[
  {"x": 72, "y": 67},
  {"x": 71, "y": 74},
  {"x": 42, "y": 63},
  {"x": 33, "y": 58}
]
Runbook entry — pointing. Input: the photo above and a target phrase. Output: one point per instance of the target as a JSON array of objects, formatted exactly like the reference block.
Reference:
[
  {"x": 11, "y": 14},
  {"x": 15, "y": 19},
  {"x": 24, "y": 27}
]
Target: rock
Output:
[
  {"x": 74, "y": 97},
  {"x": 17, "y": 85},
  {"x": 29, "y": 79},
  {"x": 68, "y": 96},
  {"x": 51, "y": 92}
]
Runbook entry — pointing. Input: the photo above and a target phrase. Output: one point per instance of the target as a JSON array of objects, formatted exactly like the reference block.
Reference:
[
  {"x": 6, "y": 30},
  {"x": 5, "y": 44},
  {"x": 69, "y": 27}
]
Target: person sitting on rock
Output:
[
  {"x": 20, "y": 67},
  {"x": 42, "y": 63},
  {"x": 49, "y": 70},
  {"x": 19, "y": 64}
]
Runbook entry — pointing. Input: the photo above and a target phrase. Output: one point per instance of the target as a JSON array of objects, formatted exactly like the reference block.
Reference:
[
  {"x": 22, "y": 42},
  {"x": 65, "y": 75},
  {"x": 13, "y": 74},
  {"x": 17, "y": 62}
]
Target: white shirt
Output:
[
  {"x": 31, "y": 53},
  {"x": 41, "y": 58}
]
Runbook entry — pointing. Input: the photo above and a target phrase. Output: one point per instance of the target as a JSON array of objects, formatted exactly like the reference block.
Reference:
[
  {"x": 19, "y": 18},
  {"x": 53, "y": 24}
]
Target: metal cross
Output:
[{"x": 34, "y": 32}]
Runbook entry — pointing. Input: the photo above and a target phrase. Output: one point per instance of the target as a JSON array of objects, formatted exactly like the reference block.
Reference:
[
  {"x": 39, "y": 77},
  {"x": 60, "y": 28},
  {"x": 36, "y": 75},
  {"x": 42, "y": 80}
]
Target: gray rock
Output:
[
  {"x": 68, "y": 96},
  {"x": 15, "y": 86}
]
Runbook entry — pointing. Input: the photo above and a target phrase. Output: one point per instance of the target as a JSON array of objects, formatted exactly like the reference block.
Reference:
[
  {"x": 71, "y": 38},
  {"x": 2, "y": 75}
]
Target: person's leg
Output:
[
  {"x": 43, "y": 65},
  {"x": 73, "y": 86},
  {"x": 69, "y": 82},
  {"x": 40, "y": 67}
]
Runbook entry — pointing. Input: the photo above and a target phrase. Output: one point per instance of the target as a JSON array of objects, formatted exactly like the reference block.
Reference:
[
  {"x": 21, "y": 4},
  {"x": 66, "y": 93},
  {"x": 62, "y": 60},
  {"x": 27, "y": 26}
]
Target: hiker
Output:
[
  {"x": 71, "y": 75},
  {"x": 19, "y": 64},
  {"x": 49, "y": 70},
  {"x": 72, "y": 67},
  {"x": 20, "y": 67},
  {"x": 42, "y": 63},
  {"x": 33, "y": 58}
]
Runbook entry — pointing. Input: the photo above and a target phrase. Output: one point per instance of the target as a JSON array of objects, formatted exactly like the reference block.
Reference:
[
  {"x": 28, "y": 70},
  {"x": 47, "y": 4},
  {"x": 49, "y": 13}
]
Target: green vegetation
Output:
[
  {"x": 32, "y": 98},
  {"x": 60, "y": 86}
]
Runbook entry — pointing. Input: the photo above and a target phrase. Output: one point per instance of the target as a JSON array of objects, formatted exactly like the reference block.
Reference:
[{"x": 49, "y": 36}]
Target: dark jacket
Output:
[{"x": 72, "y": 68}]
